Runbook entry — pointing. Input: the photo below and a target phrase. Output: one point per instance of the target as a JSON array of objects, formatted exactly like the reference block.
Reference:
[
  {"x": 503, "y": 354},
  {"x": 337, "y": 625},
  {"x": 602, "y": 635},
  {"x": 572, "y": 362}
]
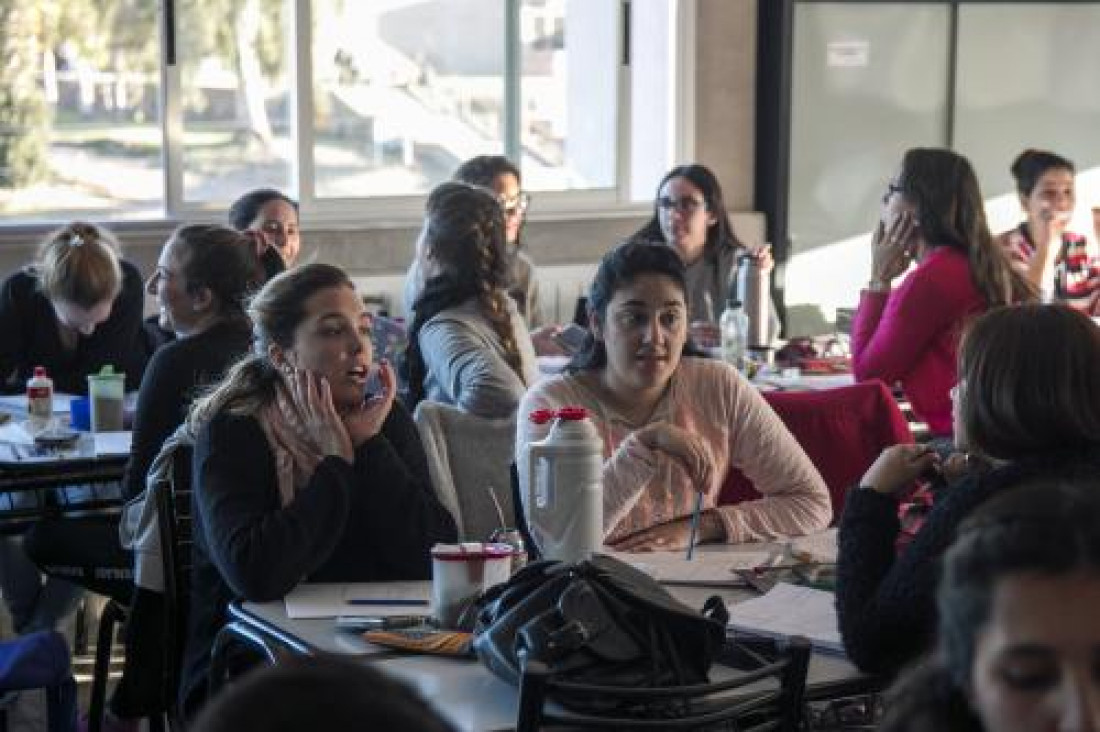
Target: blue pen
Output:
[
  {"x": 695, "y": 523},
  {"x": 383, "y": 601}
]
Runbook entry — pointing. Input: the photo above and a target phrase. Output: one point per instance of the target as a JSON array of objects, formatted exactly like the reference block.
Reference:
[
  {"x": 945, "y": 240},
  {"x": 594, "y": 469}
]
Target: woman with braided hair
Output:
[{"x": 468, "y": 345}]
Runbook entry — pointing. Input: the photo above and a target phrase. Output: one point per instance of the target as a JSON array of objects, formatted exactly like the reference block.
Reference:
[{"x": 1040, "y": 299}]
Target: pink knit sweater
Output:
[
  {"x": 643, "y": 487},
  {"x": 911, "y": 335}
]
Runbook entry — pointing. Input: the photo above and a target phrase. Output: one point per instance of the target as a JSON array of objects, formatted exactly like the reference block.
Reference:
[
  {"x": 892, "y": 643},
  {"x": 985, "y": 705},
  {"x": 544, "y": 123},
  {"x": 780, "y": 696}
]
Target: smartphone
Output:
[
  {"x": 360, "y": 623},
  {"x": 571, "y": 338}
]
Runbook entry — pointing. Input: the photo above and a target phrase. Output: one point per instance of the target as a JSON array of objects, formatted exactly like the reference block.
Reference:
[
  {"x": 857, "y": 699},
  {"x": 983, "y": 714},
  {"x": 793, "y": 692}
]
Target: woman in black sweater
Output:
[
  {"x": 298, "y": 476},
  {"x": 76, "y": 309},
  {"x": 1027, "y": 405}
]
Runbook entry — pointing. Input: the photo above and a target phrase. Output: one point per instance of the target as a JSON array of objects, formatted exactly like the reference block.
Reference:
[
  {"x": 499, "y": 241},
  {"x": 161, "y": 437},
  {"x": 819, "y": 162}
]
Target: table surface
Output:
[{"x": 464, "y": 691}]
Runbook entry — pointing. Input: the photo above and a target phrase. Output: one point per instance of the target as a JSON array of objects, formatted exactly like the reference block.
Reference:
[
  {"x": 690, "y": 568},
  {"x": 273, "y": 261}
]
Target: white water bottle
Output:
[
  {"x": 564, "y": 496},
  {"x": 734, "y": 326},
  {"x": 39, "y": 400}
]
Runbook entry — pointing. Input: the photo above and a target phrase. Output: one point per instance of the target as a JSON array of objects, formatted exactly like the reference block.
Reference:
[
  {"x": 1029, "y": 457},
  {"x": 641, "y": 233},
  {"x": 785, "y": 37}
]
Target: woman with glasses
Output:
[
  {"x": 1055, "y": 260},
  {"x": 1027, "y": 405},
  {"x": 690, "y": 216},
  {"x": 932, "y": 215}
]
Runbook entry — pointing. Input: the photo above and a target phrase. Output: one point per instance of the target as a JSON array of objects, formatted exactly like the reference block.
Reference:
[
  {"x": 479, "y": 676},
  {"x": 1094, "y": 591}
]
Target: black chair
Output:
[
  {"x": 694, "y": 707},
  {"x": 175, "y": 521}
]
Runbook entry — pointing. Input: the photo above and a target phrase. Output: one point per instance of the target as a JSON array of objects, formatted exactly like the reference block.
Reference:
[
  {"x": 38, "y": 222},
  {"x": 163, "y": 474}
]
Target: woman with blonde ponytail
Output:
[
  {"x": 932, "y": 215},
  {"x": 76, "y": 308},
  {"x": 468, "y": 345}
]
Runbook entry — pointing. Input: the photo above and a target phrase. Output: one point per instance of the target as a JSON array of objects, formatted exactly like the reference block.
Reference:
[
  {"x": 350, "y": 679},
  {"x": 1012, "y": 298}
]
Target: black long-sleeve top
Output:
[
  {"x": 375, "y": 520},
  {"x": 885, "y": 602},
  {"x": 174, "y": 375},
  {"x": 29, "y": 337}
]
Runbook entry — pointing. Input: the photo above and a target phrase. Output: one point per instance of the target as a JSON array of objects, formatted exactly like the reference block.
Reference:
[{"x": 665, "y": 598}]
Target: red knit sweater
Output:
[{"x": 911, "y": 335}]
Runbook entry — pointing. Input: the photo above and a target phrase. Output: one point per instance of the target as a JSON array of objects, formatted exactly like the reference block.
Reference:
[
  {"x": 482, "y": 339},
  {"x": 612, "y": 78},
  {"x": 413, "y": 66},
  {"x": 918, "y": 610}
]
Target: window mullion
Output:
[
  {"x": 300, "y": 41},
  {"x": 513, "y": 80},
  {"x": 171, "y": 112}
]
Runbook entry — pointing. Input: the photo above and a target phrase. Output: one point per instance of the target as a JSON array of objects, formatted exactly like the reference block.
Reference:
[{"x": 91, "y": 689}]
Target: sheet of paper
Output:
[
  {"x": 310, "y": 600},
  {"x": 820, "y": 548},
  {"x": 791, "y": 610},
  {"x": 705, "y": 568},
  {"x": 112, "y": 443}
]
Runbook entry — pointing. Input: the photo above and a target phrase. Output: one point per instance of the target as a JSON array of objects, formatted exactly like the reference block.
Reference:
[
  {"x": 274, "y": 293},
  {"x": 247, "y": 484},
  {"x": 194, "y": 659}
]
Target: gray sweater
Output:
[{"x": 466, "y": 363}]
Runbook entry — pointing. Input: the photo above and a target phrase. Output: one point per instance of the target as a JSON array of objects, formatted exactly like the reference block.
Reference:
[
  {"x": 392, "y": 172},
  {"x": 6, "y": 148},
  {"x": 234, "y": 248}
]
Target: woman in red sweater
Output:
[{"x": 932, "y": 215}]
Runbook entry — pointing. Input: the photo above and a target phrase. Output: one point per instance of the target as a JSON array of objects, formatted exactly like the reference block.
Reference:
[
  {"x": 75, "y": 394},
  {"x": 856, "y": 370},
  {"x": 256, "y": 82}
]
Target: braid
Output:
[
  {"x": 493, "y": 301},
  {"x": 464, "y": 233}
]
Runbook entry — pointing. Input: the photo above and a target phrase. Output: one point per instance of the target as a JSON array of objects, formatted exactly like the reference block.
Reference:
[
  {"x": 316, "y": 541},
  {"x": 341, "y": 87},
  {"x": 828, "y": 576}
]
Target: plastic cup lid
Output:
[
  {"x": 572, "y": 413},
  {"x": 466, "y": 551},
  {"x": 541, "y": 416}
]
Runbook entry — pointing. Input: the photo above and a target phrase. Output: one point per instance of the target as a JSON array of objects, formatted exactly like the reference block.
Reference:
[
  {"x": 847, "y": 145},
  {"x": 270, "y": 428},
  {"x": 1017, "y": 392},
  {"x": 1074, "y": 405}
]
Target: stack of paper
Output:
[
  {"x": 373, "y": 598},
  {"x": 704, "y": 569},
  {"x": 820, "y": 548},
  {"x": 791, "y": 610}
]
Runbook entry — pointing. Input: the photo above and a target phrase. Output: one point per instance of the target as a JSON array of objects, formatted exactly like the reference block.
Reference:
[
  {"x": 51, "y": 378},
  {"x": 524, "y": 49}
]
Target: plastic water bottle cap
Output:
[
  {"x": 541, "y": 416},
  {"x": 573, "y": 414}
]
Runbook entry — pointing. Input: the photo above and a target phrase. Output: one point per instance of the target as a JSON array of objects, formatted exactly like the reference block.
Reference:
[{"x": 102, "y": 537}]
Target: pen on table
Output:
[
  {"x": 383, "y": 601},
  {"x": 695, "y": 523}
]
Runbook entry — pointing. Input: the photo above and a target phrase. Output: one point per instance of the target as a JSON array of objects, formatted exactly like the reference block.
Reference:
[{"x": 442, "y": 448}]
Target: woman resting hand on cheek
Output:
[
  {"x": 672, "y": 426},
  {"x": 297, "y": 475}
]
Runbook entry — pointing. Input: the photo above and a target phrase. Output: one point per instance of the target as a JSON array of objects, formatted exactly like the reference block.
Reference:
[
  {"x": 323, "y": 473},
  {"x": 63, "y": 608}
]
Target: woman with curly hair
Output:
[{"x": 468, "y": 345}]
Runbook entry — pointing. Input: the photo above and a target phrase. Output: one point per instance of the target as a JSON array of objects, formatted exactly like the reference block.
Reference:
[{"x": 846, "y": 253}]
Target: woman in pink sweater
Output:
[
  {"x": 672, "y": 426},
  {"x": 933, "y": 215}
]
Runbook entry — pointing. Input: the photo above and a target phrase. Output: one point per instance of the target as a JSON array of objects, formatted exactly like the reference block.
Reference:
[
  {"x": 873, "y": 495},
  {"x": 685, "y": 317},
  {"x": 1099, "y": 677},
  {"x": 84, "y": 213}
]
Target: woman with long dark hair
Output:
[
  {"x": 933, "y": 215},
  {"x": 689, "y": 215},
  {"x": 1026, "y": 404},
  {"x": 673, "y": 425}
]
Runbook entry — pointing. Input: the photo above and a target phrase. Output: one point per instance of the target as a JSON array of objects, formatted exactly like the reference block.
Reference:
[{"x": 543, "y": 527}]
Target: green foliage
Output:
[{"x": 24, "y": 116}]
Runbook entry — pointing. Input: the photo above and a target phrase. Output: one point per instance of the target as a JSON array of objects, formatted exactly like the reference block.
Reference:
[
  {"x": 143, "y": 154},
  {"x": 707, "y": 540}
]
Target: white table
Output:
[{"x": 464, "y": 691}]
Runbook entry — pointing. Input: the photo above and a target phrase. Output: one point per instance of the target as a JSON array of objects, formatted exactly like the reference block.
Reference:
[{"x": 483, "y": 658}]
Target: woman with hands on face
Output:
[
  {"x": 1026, "y": 404},
  {"x": 933, "y": 215},
  {"x": 299, "y": 474},
  {"x": 1058, "y": 262},
  {"x": 673, "y": 425}
]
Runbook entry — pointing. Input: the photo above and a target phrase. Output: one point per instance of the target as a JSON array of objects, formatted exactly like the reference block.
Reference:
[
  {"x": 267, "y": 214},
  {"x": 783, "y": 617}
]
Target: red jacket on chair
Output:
[{"x": 842, "y": 431}]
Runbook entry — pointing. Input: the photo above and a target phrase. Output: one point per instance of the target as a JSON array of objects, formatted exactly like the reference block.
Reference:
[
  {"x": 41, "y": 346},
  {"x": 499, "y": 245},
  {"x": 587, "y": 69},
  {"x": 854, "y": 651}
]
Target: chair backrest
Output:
[
  {"x": 175, "y": 519},
  {"x": 469, "y": 459},
  {"x": 680, "y": 708},
  {"x": 842, "y": 431}
]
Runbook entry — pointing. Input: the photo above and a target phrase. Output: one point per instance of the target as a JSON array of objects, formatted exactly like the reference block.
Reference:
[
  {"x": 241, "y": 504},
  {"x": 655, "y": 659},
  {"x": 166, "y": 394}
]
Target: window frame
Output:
[{"x": 331, "y": 213}]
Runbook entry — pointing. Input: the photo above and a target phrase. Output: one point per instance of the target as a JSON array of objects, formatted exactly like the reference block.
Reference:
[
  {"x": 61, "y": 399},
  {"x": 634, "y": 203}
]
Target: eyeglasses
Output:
[
  {"x": 686, "y": 205},
  {"x": 516, "y": 205},
  {"x": 891, "y": 189}
]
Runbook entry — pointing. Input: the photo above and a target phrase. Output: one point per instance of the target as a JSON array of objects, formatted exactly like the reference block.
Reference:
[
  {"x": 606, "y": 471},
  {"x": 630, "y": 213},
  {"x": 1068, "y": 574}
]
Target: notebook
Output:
[{"x": 789, "y": 610}]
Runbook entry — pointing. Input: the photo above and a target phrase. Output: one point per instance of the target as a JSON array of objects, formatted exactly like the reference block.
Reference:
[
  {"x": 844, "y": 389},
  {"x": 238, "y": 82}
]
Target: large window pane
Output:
[
  {"x": 568, "y": 93},
  {"x": 869, "y": 81},
  {"x": 235, "y": 97},
  {"x": 79, "y": 123},
  {"x": 1027, "y": 77},
  {"x": 404, "y": 91}
]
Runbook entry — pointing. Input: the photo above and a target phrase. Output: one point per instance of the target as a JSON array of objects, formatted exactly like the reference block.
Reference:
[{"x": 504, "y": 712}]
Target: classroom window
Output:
[{"x": 357, "y": 108}]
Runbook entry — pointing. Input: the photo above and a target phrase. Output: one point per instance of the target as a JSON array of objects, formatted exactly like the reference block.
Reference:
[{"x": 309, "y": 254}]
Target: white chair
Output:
[{"x": 469, "y": 459}]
